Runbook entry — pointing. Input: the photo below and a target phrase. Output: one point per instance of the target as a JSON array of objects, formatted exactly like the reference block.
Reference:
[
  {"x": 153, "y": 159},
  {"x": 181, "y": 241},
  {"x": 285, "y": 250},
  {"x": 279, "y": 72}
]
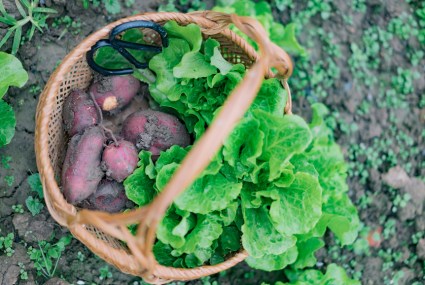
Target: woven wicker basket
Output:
[{"x": 104, "y": 233}]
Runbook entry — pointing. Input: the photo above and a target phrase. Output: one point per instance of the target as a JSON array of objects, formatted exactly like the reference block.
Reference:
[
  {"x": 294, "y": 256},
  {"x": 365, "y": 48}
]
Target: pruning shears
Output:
[{"x": 122, "y": 47}]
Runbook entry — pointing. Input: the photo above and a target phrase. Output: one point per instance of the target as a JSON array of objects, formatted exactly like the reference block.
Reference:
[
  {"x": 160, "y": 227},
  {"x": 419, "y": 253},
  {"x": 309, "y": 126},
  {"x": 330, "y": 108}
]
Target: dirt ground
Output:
[{"x": 371, "y": 83}]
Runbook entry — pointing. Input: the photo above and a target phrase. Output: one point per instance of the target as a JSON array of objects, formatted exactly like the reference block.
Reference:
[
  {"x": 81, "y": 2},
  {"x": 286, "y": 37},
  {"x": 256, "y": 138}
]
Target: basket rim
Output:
[{"x": 52, "y": 193}]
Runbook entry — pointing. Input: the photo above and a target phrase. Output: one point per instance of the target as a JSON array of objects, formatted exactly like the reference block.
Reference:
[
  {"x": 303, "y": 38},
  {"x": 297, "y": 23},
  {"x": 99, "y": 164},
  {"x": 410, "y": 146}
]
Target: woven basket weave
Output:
[{"x": 104, "y": 233}]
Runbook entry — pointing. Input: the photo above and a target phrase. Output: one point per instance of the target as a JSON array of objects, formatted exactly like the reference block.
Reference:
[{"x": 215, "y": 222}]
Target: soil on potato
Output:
[{"x": 391, "y": 246}]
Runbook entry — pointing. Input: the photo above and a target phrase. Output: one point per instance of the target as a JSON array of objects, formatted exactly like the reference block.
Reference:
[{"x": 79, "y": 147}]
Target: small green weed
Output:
[
  {"x": 183, "y": 5},
  {"x": 9, "y": 179},
  {"x": 389, "y": 228},
  {"x": 400, "y": 201},
  {"x": 403, "y": 26},
  {"x": 207, "y": 281},
  {"x": 417, "y": 236},
  {"x": 80, "y": 256},
  {"x": 23, "y": 274},
  {"x": 47, "y": 255},
  {"x": 5, "y": 161},
  {"x": 34, "y": 203},
  {"x": 6, "y": 244},
  {"x": 70, "y": 26},
  {"x": 31, "y": 14},
  {"x": 282, "y": 5},
  {"x": 105, "y": 273},
  {"x": 18, "y": 208},
  {"x": 359, "y": 6},
  {"x": 403, "y": 81}
]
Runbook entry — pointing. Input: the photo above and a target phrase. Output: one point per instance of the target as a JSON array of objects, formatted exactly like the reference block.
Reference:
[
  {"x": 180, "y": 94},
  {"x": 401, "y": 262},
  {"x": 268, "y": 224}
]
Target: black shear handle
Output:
[{"x": 121, "y": 46}]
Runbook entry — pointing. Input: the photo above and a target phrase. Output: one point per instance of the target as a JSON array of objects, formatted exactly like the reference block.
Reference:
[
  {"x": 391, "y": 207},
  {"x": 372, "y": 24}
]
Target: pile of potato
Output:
[{"x": 100, "y": 158}]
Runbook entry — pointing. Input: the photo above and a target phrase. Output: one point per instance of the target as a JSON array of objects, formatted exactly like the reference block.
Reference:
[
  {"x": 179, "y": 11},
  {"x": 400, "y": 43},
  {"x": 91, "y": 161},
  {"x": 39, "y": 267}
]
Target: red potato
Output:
[
  {"x": 119, "y": 161},
  {"x": 81, "y": 171},
  {"x": 79, "y": 112},
  {"x": 154, "y": 131},
  {"x": 114, "y": 92},
  {"x": 109, "y": 197}
]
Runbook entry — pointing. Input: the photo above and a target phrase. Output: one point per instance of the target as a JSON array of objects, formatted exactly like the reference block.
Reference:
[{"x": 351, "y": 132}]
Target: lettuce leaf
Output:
[
  {"x": 300, "y": 204},
  {"x": 174, "y": 227},
  {"x": 270, "y": 262},
  {"x": 139, "y": 186},
  {"x": 276, "y": 185},
  {"x": 193, "y": 65},
  {"x": 215, "y": 191},
  {"x": 199, "y": 240},
  {"x": 259, "y": 236},
  {"x": 306, "y": 251},
  {"x": 283, "y": 137}
]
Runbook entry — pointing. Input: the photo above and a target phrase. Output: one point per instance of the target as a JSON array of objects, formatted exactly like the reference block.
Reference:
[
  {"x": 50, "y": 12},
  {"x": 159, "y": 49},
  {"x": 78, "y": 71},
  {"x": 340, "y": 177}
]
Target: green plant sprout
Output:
[
  {"x": 105, "y": 273},
  {"x": 5, "y": 161},
  {"x": 9, "y": 179},
  {"x": 69, "y": 24},
  {"x": 6, "y": 244},
  {"x": 23, "y": 274},
  {"x": 18, "y": 208},
  {"x": 80, "y": 256}
]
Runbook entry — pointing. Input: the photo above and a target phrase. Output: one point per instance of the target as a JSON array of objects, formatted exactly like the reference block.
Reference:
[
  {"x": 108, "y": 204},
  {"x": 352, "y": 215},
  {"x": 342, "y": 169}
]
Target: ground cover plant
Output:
[{"x": 362, "y": 61}]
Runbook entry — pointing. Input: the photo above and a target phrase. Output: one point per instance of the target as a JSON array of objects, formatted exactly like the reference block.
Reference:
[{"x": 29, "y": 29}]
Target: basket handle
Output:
[{"x": 202, "y": 151}]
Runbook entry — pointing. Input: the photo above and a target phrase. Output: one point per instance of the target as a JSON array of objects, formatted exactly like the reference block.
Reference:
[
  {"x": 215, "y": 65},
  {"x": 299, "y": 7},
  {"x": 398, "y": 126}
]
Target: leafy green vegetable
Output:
[
  {"x": 275, "y": 186},
  {"x": 112, "y": 6},
  {"x": 300, "y": 204},
  {"x": 193, "y": 65},
  {"x": 138, "y": 186},
  {"x": 283, "y": 137},
  {"x": 12, "y": 73},
  {"x": 7, "y": 123},
  {"x": 271, "y": 262},
  {"x": 215, "y": 191},
  {"x": 306, "y": 250},
  {"x": 259, "y": 236}
]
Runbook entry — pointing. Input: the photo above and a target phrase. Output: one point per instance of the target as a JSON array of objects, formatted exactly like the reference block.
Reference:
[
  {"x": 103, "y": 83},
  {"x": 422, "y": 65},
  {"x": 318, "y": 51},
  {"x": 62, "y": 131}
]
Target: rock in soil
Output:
[
  {"x": 414, "y": 207},
  {"x": 396, "y": 177},
  {"x": 370, "y": 276},
  {"x": 420, "y": 223},
  {"x": 33, "y": 229}
]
